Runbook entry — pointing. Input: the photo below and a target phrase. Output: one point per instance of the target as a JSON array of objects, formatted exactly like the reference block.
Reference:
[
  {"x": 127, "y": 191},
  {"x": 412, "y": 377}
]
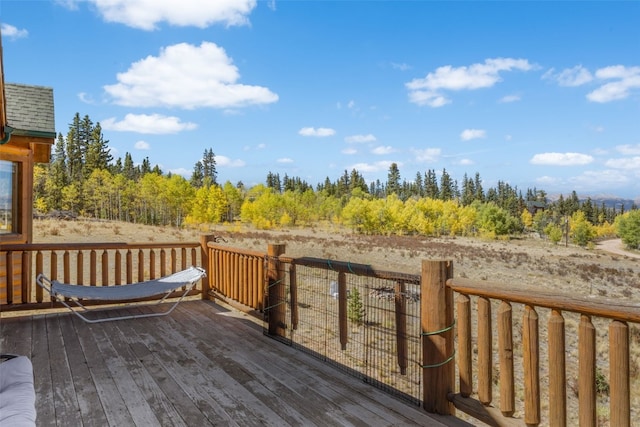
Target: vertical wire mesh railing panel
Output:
[
  {"x": 393, "y": 336},
  {"x": 380, "y": 337},
  {"x": 315, "y": 308}
]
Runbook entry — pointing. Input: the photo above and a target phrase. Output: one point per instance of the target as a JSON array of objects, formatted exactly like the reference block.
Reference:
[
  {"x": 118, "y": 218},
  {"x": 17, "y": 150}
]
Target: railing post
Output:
[
  {"x": 531, "y": 365},
  {"x": 276, "y": 291},
  {"x": 587, "y": 372},
  {"x": 438, "y": 357},
  {"x": 204, "y": 257},
  {"x": 620, "y": 406}
]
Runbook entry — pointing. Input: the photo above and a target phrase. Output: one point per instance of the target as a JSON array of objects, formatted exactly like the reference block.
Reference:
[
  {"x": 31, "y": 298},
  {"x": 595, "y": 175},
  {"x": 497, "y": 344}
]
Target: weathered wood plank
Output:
[
  {"x": 114, "y": 405},
  {"x": 211, "y": 359},
  {"x": 311, "y": 384},
  {"x": 202, "y": 365},
  {"x": 211, "y": 380},
  {"x": 15, "y": 337},
  {"x": 141, "y": 412},
  {"x": 89, "y": 404},
  {"x": 43, "y": 383},
  {"x": 64, "y": 395},
  {"x": 282, "y": 374},
  {"x": 164, "y": 410}
]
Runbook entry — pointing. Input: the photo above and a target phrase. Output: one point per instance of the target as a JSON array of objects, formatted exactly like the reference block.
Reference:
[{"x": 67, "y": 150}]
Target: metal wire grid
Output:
[{"x": 371, "y": 351}]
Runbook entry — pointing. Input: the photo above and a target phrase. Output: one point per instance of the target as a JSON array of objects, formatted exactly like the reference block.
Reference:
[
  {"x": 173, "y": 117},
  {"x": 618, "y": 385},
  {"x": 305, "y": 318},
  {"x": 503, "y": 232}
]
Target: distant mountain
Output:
[{"x": 609, "y": 200}]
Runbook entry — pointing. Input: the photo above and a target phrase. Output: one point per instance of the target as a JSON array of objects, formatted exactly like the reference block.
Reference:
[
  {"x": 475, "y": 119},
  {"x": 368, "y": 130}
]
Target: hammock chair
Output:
[{"x": 124, "y": 293}]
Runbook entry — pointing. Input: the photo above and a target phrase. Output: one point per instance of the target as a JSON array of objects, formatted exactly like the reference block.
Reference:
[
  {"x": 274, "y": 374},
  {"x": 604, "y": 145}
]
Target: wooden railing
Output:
[
  {"x": 523, "y": 393},
  {"x": 428, "y": 341},
  {"x": 556, "y": 308},
  {"x": 91, "y": 264},
  {"x": 237, "y": 276}
]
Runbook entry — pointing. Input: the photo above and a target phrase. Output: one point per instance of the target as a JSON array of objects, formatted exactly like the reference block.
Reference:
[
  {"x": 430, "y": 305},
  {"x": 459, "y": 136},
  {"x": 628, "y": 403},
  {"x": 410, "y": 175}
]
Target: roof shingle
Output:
[{"x": 30, "y": 109}]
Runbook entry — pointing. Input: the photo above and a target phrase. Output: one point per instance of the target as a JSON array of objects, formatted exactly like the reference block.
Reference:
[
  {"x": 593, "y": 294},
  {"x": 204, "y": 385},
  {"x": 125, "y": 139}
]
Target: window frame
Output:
[{"x": 22, "y": 227}]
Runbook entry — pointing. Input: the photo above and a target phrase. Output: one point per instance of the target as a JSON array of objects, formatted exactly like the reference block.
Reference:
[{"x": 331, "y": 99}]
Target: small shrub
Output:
[
  {"x": 355, "y": 308},
  {"x": 54, "y": 231},
  {"x": 602, "y": 385}
]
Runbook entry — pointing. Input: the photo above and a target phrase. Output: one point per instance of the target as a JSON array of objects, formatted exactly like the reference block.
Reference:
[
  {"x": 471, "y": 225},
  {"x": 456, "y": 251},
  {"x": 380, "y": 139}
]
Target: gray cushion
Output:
[{"x": 17, "y": 394}]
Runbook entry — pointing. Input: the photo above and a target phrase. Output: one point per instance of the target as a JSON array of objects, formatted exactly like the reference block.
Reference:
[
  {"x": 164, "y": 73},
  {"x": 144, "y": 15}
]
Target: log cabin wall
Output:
[{"x": 27, "y": 132}]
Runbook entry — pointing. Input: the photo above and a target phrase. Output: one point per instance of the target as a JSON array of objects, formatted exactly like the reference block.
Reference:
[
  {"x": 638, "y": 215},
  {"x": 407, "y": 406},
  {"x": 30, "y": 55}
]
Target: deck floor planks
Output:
[
  {"x": 212, "y": 380},
  {"x": 114, "y": 405},
  {"x": 15, "y": 336},
  {"x": 298, "y": 380},
  {"x": 202, "y": 365},
  {"x": 197, "y": 406},
  {"x": 87, "y": 396},
  {"x": 155, "y": 399},
  {"x": 209, "y": 356},
  {"x": 43, "y": 383},
  {"x": 172, "y": 389},
  {"x": 106, "y": 338},
  {"x": 252, "y": 355},
  {"x": 64, "y": 394}
]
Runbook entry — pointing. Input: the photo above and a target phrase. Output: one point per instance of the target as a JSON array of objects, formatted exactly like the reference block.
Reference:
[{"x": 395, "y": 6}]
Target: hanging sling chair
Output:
[{"x": 164, "y": 286}]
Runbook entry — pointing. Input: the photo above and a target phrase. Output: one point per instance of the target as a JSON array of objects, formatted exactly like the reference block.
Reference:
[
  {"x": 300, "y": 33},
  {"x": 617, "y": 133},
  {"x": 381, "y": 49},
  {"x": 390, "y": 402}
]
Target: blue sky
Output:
[{"x": 536, "y": 94}]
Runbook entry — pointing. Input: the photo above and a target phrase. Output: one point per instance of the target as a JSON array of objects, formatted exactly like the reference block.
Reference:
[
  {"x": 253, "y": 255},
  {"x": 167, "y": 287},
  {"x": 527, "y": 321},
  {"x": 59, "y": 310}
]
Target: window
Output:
[{"x": 9, "y": 197}]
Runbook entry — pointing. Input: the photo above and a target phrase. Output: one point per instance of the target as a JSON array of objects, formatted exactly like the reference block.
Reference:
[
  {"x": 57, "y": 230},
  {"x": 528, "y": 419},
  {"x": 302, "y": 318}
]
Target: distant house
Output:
[
  {"x": 27, "y": 132},
  {"x": 534, "y": 206}
]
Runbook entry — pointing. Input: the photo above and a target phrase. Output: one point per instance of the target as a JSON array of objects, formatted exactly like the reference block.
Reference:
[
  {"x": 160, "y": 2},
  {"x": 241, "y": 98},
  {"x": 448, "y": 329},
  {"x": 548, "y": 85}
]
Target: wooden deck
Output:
[{"x": 202, "y": 365}]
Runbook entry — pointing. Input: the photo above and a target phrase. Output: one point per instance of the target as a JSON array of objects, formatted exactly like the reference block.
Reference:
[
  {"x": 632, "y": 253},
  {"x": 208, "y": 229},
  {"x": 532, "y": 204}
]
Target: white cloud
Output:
[
  {"x": 632, "y": 163},
  {"x": 401, "y": 66},
  {"x": 576, "y": 76},
  {"x": 427, "y": 155},
  {"x": 349, "y": 151},
  {"x": 156, "y": 124},
  {"x": 561, "y": 159},
  {"x": 12, "y": 32},
  {"x": 186, "y": 76},
  {"x": 509, "y": 98},
  {"x": 374, "y": 167},
  {"x": 629, "y": 149},
  {"x": 319, "y": 132},
  {"x": 626, "y": 80},
  {"x": 182, "y": 171},
  {"x": 547, "y": 180},
  {"x": 86, "y": 98},
  {"x": 428, "y": 90},
  {"x": 427, "y": 97},
  {"x": 469, "y": 134},
  {"x": 285, "y": 160},
  {"x": 381, "y": 150},
  {"x": 142, "y": 145},
  {"x": 606, "y": 178},
  {"x": 354, "y": 139},
  {"x": 113, "y": 151},
  {"x": 466, "y": 162},
  {"x": 227, "y": 162},
  {"x": 147, "y": 14}
]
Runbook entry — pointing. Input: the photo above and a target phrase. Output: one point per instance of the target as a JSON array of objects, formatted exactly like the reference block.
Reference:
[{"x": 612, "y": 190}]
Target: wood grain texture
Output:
[{"x": 203, "y": 365}]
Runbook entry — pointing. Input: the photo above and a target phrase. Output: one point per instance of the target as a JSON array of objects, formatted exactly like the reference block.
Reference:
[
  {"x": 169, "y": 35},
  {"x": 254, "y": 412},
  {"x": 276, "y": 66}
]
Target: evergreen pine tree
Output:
[
  {"x": 197, "y": 176},
  {"x": 393, "y": 180},
  {"x": 446, "y": 186},
  {"x": 209, "y": 166}
]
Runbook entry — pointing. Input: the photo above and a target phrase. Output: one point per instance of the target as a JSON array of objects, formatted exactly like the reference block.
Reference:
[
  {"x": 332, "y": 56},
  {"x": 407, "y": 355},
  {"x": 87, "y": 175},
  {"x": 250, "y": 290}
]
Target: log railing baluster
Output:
[
  {"x": 485, "y": 353},
  {"x": 505, "y": 351}
]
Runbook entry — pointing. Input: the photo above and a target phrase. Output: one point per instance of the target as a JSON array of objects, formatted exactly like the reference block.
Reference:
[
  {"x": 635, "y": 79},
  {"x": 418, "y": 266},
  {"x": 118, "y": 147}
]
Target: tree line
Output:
[{"x": 84, "y": 178}]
